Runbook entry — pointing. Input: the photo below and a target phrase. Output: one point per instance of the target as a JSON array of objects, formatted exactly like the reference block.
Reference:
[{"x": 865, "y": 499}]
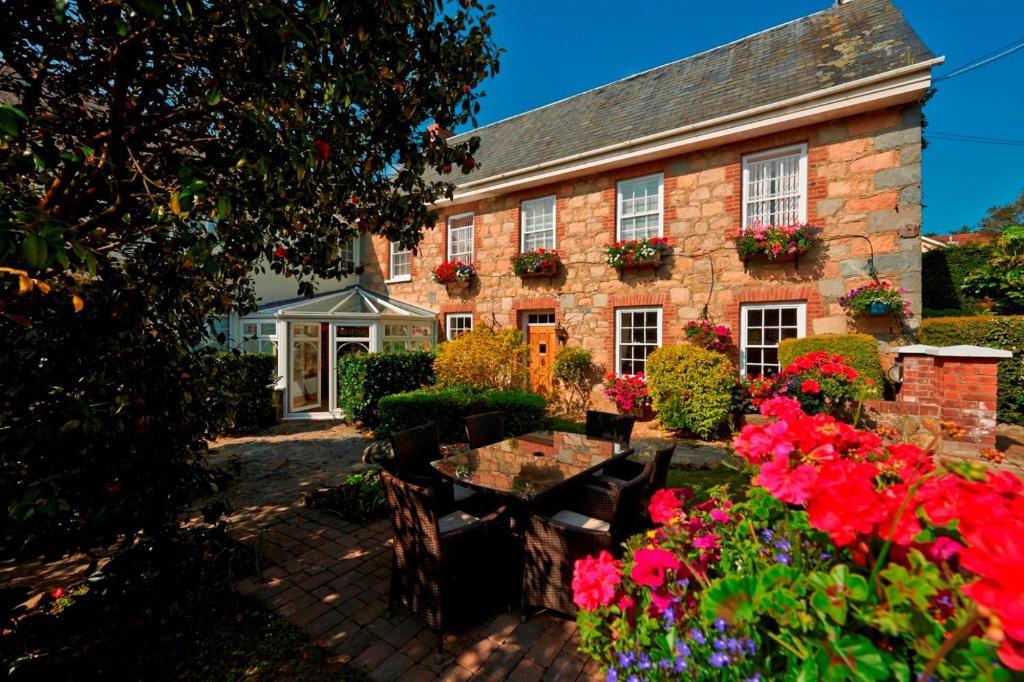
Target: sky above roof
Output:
[{"x": 558, "y": 49}]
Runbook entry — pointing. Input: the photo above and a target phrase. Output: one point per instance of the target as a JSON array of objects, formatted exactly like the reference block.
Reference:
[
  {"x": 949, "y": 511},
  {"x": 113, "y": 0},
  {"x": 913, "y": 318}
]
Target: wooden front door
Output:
[{"x": 543, "y": 345}]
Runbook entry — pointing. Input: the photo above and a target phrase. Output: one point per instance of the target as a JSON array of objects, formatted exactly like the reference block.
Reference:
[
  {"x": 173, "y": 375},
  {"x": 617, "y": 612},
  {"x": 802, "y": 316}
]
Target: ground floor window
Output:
[
  {"x": 762, "y": 327},
  {"x": 304, "y": 386},
  {"x": 259, "y": 337},
  {"x": 637, "y": 335},
  {"x": 456, "y": 324},
  {"x": 407, "y": 336}
]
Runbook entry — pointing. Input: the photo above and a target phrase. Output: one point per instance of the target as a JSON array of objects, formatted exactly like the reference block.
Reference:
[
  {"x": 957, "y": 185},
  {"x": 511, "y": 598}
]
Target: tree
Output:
[
  {"x": 1001, "y": 280},
  {"x": 153, "y": 153},
  {"x": 998, "y": 217}
]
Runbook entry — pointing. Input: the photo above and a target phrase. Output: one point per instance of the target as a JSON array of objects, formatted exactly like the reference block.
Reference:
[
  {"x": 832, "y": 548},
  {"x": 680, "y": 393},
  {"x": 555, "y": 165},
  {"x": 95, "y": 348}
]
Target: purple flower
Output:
[
  {"x": 721, "y": 625},
  {"x": 684, "y": 649},
  {"x": 782, "y": 558},
  {"x": 680, "y": 664},
  {"x": 698, "y": 636},
  {"x": 767, "y": 535},
  {"x": 718, "y": 659},
  {"x": 625, "y": 659},
  {"x": 644, "y": 663},
  {"x": 612, "y": 675},
  {"x": 749, "y": 647},
  {"x": 784, "y": 545}
]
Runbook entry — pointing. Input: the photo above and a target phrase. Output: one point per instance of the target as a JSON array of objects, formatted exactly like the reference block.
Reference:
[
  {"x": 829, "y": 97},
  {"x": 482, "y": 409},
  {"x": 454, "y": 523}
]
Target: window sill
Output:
[{"x": 400, "y": 278}]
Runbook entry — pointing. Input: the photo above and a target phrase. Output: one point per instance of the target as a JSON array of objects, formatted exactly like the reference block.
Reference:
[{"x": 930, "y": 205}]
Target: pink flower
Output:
[
  {"x": 791, "y": 485},
  {"x": 664, "y": 506},
  {"x": 709, "y": 541},
  {"x": 650, "y": 565},
  {"x": 594, "y": 581},
  {"x": 720, "y": 516}
]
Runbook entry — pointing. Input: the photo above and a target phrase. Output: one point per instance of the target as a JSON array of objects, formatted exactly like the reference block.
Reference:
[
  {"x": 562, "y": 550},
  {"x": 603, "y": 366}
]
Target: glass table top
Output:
[{"x": 529, "y": 465}]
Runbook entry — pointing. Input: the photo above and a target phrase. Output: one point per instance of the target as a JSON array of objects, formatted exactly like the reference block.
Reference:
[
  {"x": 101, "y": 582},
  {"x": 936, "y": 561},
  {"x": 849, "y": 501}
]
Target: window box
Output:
[
  {"x": 778, "y": 244},
  {"x": 455, "y": 275},
  {"x": 539, "y": 263},
  {"x": 637, "y": 254}
]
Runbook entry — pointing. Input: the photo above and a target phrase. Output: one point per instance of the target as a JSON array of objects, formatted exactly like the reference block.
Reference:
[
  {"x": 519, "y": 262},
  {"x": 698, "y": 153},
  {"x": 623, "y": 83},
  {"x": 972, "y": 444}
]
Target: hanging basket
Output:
[
  {"x": 458, "y": 285},
  {"x": 879, "y": 309}
]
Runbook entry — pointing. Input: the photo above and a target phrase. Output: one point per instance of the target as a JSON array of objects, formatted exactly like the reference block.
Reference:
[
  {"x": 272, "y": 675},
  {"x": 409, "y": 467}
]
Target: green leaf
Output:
[
  {"x": 213, "y": 97},
  {"x": 223, "y": 206},
  {"x": 865, "y": 661},
  {"x": 34, "y": 250}
]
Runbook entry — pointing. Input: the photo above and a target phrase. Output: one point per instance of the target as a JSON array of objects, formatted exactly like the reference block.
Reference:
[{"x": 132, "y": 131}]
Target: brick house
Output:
[{"x": 817, "y": 120}]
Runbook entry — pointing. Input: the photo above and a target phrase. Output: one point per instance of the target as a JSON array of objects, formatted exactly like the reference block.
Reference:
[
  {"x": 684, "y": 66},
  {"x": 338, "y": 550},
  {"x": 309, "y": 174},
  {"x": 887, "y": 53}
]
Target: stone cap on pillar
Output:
[{"x": 964, "y": 351}]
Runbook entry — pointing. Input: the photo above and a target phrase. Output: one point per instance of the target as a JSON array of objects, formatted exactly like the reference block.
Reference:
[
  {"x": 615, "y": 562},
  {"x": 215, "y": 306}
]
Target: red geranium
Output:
[
  {"x": 594, "y": 581},
  {"x": 650, "y": 565},
  {"x": 664, "y": 506}
]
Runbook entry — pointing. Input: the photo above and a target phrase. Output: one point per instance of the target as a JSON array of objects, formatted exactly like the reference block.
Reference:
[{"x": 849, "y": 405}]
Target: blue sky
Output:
[{"x": 557, "y": 48}]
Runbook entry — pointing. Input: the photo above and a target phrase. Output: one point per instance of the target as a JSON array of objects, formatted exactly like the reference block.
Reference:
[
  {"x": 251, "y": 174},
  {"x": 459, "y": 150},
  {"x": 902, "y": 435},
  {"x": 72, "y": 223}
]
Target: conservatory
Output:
[{"x": 310, "y": 334}]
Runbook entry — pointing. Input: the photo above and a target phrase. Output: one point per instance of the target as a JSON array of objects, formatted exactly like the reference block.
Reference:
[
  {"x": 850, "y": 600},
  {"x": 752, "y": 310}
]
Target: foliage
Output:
[
  {"x": 706, "y": 482},
  {"x": 153, "y": 157},
  {"x": 360, "y": 498},
  {"x": 943, "y": 272},
  {"x": 522, "y": 411},
  {"x": 992, "y": 332},
  {"x": 775, "y": 241},
  {"x": 751, "y": 391},
  {"x": 246, "y": 382},
  {"x": 862, "y": 299},
  {"x": 1001, "y": 280},
  {"x": 866, "y": 564},
  {"x": 859, "y": 351},
  {"x": 450, "y": 272},
  {"x": 365, "y": 378},
  {"x": 628, "y": 391},
  {"x": 163, "y": 611},
  {"x": 691, "y": 388},
  {"x": 998, "y": 217},
  {"x": 573, "y": 370},
  {"x": 483, "y": 357},
  {"x": 636, "y": 251},
  {"x": 540, "y": 261},
  {"x": 823, "y": 383},
  {"x": 703, "y": 334}
]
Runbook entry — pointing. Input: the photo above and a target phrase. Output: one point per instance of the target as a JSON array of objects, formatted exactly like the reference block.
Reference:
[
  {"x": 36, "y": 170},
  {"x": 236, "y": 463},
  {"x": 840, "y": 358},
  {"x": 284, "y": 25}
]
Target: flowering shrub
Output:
[
  {"x": 706, "y": 335},
  {"x": 627, "y": 391},
  {"x": 540, "y": 261},
  {"x": 450, "y": 272},
  {"x": 636, "y": 251},
  {"x": 691, "y": 388},
  {"x": 757, "y": 389},
  {"x": 775, "y": 241},
  {"x": 859, "y": 300},
  {"x": 822, "y": 382},
  {"x": 851, "y": 559}
]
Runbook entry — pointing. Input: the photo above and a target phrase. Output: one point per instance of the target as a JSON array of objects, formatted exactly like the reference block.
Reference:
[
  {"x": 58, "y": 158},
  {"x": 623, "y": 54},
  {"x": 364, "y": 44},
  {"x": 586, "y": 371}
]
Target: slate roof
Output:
[{"x": 843, "y": 43}]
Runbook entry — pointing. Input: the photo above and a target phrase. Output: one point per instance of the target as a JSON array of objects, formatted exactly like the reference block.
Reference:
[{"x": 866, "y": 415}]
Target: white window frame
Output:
[
  {"x": 392, "y": 277},
  {"x": 354, "y": 244},
  {"x": 619, "y": 312},
  {"x": 472, "y": 237},
  {"x": 260, "y": 337},
  {"x": 408, "y": 340},
  {"x": 791, "y": 150},
  {"x": 619, "y": 216},
  {"x": 450, "y": 317},
  {"x": 801, "y": 324},
  {"x": 554, "y": 221}
]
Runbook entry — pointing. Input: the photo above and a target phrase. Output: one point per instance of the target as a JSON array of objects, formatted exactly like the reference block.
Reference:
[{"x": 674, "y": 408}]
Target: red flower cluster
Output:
[
  {"x": 856, "y": 489},
  {"x": 627, "y": 391},
  {"x": 450, "y": 272},
  {"x": 826, "y": 363},
  {"x": 664, "y": 505},
  {"x": 706, "y": 335},
  {"x": 634, "y": 251},
  {"x": 595, "y": 580},
  {"x": 534, "y": 262}
]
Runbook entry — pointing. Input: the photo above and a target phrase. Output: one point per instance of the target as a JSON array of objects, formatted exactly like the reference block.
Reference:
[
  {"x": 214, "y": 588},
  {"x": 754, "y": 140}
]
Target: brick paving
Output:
[{"x": 330, "y": 578}]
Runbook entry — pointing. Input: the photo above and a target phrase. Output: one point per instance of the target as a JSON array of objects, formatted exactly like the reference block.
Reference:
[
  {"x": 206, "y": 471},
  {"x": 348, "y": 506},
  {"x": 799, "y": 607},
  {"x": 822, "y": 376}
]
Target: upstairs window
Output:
[
  {"x": 640, "y": 208},
  {"x": 401, "y": 263},
  {"x": 775, "y": 186},
  {"x": 350, "y": 251},
  {"x": 538, "y": 224},
  {"x": 460, "y": 238}
]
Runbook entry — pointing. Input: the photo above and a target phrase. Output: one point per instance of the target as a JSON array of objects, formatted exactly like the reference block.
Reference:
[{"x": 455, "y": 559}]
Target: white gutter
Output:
[{"x": 891, "y": 85}]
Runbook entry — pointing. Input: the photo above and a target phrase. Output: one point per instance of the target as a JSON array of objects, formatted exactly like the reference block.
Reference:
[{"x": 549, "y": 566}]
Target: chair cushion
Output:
[
  {"x": 580, "y": 521},
  {"x": 456, "y": 520},
  {"x": 462, "y": 492}
]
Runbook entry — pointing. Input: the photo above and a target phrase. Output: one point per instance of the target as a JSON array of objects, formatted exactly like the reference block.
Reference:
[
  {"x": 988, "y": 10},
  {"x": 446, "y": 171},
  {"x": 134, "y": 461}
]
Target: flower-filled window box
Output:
[
  {"x": 702, "y": 333},
  {"x": 538, "y": 263},
  {"x": 454, "y": 274},
  {"x": 776, "y": 242},
  {"x": 877, "y": 299},
  {"x": 637, "y": 253}
]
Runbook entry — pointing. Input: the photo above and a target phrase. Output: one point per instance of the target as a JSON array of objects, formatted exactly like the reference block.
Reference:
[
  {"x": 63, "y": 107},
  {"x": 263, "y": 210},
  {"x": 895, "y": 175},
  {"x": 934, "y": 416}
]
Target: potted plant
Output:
[
  {"x": 538, "y": 263},
  {"x": 629, "y": 393},
  {"x": 876, "y": 299},
  {"x": 454, "y": 274},
  {"x": 775, "y": 242},
  {"x": 637, "y": 253},
  {"x": 706, "y": 335}
]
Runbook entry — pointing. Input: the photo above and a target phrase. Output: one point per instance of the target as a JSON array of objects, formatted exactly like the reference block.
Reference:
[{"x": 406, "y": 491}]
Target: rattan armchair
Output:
[
  {"x": 615, "y": 427},
  {"x": 582, "y": 521},
  {"x": 445, "y": 565},
  {"x": 413, "y": 451},
  {"x": 485, "y": 429},
  {"x": 654, "y": 472}
]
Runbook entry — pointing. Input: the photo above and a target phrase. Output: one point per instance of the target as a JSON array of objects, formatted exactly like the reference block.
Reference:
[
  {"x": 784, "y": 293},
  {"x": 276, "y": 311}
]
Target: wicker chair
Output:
[
  {"x": 485, "y": 429},
  {"x": 654, "y": 471},
  {"x": 414, "y": 449},
  {"x": 616, "y": 427},
  {"x": 583, "y": 521},
  {"x": 445, "y": 565}
]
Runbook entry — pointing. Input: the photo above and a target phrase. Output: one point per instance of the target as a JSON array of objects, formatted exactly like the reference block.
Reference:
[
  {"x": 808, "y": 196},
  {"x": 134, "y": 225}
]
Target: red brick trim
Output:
[
  {"x": 780, "y": 294},
  {"x": 453, "y": 308},
  {"x": 521, "y": 305}
]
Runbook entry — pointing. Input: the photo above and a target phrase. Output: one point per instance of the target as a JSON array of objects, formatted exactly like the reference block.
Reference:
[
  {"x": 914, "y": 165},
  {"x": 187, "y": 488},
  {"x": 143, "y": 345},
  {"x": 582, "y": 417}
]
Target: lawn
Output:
[{"x": 702, "y": 481}]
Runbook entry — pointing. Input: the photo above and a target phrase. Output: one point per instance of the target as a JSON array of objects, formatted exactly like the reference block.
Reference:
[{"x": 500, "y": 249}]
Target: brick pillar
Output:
[
  {"x": 968, "y": 396},
  {"x": 920, "y": 380}
]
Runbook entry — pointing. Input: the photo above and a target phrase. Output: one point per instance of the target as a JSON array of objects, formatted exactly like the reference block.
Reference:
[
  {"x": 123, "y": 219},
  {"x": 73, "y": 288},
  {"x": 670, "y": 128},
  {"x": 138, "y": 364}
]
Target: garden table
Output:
[{"x": 532, "y": 465}]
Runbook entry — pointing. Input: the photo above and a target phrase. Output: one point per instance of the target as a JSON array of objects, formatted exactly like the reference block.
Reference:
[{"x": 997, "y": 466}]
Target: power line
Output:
[
  {"x": 983, "y": 60},
  {"x": 977, "y": 139}
]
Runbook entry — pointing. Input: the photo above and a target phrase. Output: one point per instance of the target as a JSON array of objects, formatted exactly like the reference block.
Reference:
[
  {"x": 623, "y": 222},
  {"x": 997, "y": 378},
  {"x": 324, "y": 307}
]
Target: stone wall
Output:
[{"x": 864, "y": 188}]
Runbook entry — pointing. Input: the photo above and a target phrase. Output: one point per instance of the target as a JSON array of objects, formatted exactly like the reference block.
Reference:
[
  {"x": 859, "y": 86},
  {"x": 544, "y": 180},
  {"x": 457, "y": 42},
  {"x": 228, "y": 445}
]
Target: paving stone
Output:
[
  {"x": 392, "y": 668},
  {"x": 374, "y": 655},
  {"x": 566, "y": 666},
  {"x": 527, "y": 671},
  {"x": 473, "y": 657}
]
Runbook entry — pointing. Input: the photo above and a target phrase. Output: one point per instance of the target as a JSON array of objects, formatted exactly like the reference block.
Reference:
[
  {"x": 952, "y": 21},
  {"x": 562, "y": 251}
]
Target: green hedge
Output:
[
  {"x": 994, "y": 332},
  {"x": 691, "y": 388},
  {"x": 245, "y": 380},
  {"x": 523, "y": 411},
  {"x": 942, "y": 273},
  {"x": 860, "y": 351},
  {"x": 365, "y": 378}
]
